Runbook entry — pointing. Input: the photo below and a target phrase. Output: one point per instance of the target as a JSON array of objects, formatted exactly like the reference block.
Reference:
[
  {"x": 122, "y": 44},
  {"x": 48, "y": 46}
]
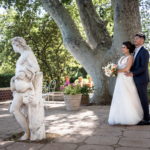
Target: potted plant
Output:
[
  {"x": 85, "y": 90},
  {"x": 72, "y": 96}
]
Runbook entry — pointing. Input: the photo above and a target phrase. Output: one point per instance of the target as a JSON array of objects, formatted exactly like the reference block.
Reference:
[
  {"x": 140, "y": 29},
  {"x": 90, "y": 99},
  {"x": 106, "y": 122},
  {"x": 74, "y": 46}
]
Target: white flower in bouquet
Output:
[{"x": 110, "y": 70}]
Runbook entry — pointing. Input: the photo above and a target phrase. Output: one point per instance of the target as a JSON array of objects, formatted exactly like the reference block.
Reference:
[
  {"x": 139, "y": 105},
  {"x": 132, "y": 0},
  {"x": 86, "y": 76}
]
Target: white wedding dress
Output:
[{"x": 126, "y": 107}]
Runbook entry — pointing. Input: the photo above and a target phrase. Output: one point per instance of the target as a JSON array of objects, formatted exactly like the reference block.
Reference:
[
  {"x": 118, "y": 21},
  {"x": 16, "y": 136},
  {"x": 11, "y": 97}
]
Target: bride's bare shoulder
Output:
[{"x": 130, "y": 58}]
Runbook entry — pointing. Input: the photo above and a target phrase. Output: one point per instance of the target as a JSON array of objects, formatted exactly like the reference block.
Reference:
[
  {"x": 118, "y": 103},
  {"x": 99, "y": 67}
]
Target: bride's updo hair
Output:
[
  {"x": 20, "y": 42},
  {"x": 129, "y": 46}
]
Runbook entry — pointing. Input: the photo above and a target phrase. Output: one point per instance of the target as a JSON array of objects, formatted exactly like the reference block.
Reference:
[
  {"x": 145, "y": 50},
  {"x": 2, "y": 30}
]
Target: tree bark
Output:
[
  {"x": 97, "y": 51},
  {"x": 126, "y": 21}
]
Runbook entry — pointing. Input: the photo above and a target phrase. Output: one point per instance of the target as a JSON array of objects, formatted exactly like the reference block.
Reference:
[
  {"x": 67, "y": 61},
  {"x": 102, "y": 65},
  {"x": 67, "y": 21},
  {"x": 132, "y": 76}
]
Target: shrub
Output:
[{"x": 5, "y": 80}]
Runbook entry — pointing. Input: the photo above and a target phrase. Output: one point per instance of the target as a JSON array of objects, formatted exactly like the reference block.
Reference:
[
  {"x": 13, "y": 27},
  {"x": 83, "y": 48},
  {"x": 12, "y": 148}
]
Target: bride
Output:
[{"x": 126, "y": 107}]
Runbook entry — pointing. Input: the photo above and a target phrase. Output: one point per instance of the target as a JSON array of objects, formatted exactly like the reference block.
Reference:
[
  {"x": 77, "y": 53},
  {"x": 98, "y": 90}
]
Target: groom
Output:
[{"x": 139, "y": 71}]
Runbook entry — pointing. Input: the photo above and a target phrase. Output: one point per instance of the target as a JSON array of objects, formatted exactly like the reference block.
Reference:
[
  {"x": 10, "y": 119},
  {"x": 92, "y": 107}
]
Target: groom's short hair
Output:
[{"x": 141, "y": 35}]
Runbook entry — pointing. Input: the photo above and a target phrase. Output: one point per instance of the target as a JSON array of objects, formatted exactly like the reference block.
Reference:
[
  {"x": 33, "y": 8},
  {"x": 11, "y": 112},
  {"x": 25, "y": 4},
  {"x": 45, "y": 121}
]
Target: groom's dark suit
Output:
[{"x": 141, "y": 78}]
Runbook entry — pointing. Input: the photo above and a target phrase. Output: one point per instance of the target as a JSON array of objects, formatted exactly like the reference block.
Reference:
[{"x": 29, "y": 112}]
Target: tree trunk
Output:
[
  {"x": 97, "y": 52},
  {"x": 126, "y": 21}
]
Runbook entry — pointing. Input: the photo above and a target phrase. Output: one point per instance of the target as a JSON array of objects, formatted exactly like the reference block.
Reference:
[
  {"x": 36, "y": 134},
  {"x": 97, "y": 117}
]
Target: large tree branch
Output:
[
  {"x": 72, "y": 39},
  {"x": 95, "y": 28},
  {"x": 64, "y": 21}
]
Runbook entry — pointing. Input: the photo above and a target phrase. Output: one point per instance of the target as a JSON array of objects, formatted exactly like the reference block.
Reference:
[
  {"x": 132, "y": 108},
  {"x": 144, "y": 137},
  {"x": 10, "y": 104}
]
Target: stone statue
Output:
[{"x": 27, "y": 105}]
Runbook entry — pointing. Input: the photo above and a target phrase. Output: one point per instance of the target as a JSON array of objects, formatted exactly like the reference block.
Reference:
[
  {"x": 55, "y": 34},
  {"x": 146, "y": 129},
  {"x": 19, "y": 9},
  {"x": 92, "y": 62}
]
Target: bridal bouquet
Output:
[{"x": 110, "y": 70}]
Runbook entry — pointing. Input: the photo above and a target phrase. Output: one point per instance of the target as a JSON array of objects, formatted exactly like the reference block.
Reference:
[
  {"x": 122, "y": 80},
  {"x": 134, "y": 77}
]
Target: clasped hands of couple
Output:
[{"x": 128, "y": 73}]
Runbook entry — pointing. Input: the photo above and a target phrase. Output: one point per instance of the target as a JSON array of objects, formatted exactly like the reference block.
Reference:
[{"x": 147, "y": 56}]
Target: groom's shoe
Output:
[
  {"x": 141, "y": 123},
  {"x": 144, "y": 122},
  {"x": 147, "y": 122}
]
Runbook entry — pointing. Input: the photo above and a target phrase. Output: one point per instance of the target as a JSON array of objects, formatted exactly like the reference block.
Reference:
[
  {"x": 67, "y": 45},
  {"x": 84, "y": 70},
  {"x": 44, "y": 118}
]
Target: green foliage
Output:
[
  {"x": 66, "y": 1},
  {"x": 76, "y": 72},
  {"x": 5, "y": 80},
  {"x": 42, "y": 34},
  {"x": 72, "y": 89},
  {"x": 105, "y": 12},
  {"x": 145, "y": 15},
  {"x": 85, "y": 90}
]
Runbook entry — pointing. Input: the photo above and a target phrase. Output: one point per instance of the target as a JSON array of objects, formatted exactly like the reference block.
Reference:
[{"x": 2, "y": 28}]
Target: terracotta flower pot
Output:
[
  {"x": 85, "y": 100},
  {"x": 72, "y": 101}
]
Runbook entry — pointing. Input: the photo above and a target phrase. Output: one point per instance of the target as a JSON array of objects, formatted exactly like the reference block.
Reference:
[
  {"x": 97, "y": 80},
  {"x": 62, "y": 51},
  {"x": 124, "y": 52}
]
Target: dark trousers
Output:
[{"x": 142, "y": 91}]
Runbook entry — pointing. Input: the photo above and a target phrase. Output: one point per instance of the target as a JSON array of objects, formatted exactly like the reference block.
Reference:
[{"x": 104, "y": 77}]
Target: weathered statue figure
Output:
[{"x": 27, "y": 105}]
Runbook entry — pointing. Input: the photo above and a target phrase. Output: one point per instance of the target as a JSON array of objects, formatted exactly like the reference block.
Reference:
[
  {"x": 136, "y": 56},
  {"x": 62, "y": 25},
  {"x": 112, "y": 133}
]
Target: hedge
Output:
[{"x": 5, "y": 80}]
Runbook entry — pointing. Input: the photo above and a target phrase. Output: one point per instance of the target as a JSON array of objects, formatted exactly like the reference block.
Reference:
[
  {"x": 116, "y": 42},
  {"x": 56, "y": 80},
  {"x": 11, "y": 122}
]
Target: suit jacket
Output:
[{"x": 140, "y": 67}]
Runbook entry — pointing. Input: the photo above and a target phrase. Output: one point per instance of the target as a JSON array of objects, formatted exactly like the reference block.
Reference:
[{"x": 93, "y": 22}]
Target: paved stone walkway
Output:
[{"x": 86, "y": 129}]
